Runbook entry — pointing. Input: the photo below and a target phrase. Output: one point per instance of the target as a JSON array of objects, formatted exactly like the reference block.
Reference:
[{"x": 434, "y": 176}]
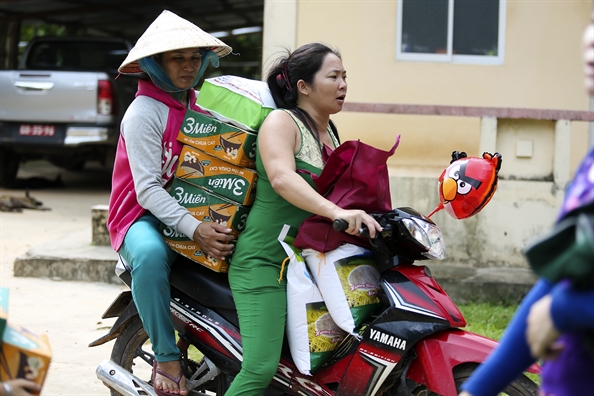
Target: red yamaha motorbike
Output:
[{"x": 412, "y": 346}]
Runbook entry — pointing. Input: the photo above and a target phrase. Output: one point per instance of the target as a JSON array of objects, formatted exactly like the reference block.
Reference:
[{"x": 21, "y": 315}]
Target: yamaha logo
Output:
[{"x": 387, "y": 339}]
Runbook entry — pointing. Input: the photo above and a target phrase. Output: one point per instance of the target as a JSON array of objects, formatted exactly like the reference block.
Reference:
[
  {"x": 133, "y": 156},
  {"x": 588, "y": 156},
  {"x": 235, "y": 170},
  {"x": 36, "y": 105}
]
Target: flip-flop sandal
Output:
[{"x": 177, "y": 380}]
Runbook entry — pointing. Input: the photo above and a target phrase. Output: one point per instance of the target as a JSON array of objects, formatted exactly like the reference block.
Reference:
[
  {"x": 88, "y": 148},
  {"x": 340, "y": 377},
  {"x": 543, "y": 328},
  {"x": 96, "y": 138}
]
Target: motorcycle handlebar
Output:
[{"x": 342, "y": 225}]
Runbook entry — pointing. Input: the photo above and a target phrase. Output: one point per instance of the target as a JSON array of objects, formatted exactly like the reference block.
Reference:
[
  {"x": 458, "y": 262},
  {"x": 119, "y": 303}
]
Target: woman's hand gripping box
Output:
[{"x": 205, "y": 206}]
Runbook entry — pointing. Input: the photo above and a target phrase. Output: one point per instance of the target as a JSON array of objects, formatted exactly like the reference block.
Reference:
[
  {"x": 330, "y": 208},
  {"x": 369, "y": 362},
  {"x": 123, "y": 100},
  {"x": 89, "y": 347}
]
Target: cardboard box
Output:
[
  {"x": 205, "y": 206},
  {"x": 203, "y": 170},
  {"x": 221, "y": 140},
  {"x": 24, "y": 355},
  {"x": 3, "y": 309},
  {"x": 191, "y": 250}
]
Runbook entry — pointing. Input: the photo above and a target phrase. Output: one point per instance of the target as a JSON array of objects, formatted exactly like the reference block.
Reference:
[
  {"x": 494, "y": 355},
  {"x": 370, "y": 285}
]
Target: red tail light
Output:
[{"x": 105, "y": 98}]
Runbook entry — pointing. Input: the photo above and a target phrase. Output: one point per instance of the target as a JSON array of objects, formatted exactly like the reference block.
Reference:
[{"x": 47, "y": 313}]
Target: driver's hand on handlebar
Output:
[
  {"x": 356, "y": 218},
  {"x": 214, "y": 240},
  {"x": 464, "y": 393}
]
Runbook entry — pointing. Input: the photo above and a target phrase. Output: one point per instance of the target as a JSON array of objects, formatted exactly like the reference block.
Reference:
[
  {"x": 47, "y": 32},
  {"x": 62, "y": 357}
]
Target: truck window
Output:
[
  {"x": 77, "y": 56},
  {"x": 44, "y": 57}
]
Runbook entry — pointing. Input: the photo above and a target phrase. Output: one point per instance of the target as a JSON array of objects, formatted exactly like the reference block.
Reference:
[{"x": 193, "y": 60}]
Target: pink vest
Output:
[{"x": 124, "y": 208}]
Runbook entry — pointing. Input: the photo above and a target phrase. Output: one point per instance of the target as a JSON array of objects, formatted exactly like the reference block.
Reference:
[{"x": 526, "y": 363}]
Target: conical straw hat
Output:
[{"x": 170, "y": 32}]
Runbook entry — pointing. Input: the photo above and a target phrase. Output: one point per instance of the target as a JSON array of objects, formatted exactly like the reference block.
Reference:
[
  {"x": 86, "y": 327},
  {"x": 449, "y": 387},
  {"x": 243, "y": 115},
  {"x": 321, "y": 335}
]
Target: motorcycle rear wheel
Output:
[
  {"x": 132, "y": 351},
  {"x": 521, "y": 386}
]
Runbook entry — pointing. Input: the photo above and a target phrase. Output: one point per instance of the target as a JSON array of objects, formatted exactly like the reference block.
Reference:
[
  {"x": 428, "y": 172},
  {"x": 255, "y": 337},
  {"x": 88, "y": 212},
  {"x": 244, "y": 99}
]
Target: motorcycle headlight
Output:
[{"x": 427, "y": 234}]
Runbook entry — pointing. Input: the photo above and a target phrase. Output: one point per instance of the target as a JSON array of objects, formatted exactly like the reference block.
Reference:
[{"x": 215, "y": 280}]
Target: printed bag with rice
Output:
[
  {"x": 341, "y": 264},
  {"x": 349, "y": 281},
  {"x": 312, "y": 334}
]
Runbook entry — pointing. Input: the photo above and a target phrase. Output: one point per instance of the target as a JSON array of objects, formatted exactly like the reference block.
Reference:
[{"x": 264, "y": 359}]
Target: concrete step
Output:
[
  {"x": 496, "y": 284},
  {"x": 74, "y": 258},
  {"x": 71, "y": 258}
]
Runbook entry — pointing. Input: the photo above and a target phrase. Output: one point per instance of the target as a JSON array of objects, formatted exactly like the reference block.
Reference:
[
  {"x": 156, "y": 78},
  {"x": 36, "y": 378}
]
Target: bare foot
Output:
[{"x": 163, "y": 383}]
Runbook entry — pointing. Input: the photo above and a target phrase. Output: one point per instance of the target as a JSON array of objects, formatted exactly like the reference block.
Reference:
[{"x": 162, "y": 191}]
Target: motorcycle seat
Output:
[{"x": 206, "y": 286}]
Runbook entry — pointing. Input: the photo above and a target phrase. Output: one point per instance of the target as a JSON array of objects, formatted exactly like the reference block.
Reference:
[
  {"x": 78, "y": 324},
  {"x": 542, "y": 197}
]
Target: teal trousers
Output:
[
  {"x": 262, "y": 309},
  {"x": 145, "y": 250}
]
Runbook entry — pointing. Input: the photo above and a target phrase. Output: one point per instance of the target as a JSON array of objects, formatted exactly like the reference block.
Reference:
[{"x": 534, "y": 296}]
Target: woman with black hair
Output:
[
  {"x": 308, "y": 86},
  {"x": 172, "y": 54}
]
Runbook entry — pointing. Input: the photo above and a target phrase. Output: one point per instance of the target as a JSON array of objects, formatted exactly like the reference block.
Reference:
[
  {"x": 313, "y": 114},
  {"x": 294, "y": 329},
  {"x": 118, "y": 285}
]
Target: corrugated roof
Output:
[{"x": 129, "y": 18}]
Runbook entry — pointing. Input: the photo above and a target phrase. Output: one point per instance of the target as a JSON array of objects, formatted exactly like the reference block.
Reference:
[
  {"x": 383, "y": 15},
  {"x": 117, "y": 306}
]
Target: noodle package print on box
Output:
[
  {"x": 203, "y": 170},
  {"x": 221, "y": 140},
  {"x": 207, "y": 207},
  {"x": 349, "y": 281}
]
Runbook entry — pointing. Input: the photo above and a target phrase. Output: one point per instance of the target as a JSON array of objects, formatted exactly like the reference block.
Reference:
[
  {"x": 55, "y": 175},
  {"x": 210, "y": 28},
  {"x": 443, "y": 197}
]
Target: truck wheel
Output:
[{"x": 9, "y": 167}]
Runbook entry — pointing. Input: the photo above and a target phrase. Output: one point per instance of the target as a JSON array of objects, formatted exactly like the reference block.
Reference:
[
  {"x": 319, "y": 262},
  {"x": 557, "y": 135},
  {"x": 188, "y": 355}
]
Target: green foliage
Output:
[
  {"x": 487, "y": 319},
  {"x": 194, "y": 354},
  {"x": 490, "y": 320},
  {"x": 28, "y": 31},
  {"x": 244, "y": 61}
]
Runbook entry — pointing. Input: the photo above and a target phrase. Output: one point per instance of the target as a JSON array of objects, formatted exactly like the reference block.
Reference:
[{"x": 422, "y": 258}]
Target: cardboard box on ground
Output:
[
  {"x": 23, "y": 354},
  {"x": 215, "y": 177}
]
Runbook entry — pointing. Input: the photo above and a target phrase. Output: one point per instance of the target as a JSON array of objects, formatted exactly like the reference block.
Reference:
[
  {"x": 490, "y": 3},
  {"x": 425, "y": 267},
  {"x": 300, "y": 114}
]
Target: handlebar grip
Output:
[{"x": 340, "y": 225}]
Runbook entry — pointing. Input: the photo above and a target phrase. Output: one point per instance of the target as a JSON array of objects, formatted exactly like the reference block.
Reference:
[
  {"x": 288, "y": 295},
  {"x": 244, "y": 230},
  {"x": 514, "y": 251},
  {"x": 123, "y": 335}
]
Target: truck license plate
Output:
[{"x": 37, "y": 130}]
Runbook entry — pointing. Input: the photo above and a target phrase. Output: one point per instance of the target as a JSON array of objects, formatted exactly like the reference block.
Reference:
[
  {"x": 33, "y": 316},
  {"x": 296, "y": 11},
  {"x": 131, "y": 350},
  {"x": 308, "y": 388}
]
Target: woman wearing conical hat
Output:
[{"x": 172, "y": 55}]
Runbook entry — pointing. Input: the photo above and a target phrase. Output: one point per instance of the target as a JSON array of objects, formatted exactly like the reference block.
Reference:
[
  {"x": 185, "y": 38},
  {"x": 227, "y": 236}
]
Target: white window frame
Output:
[{"x": 449, "y": 57}]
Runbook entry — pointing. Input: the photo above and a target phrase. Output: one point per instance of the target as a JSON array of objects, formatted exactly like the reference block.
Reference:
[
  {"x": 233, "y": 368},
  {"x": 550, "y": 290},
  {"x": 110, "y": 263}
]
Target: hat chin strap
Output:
[
  {"x": 208, "y": 56},
  {"x": 156, "y": 73}
]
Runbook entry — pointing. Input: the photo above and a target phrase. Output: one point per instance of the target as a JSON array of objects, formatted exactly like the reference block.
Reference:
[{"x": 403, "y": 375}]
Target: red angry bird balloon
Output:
[{"x": 468, "y": 184}]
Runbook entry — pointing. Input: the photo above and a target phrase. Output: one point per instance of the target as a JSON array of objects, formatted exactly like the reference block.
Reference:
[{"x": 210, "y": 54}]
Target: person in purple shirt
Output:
[{"x": 555, "y": 321}]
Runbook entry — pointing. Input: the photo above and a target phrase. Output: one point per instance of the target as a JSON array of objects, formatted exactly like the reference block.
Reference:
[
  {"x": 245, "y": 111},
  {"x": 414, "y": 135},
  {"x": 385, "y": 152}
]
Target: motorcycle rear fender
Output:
[
  {"x": 124, "y": 308},
  {"x": 439, "y": 354}
]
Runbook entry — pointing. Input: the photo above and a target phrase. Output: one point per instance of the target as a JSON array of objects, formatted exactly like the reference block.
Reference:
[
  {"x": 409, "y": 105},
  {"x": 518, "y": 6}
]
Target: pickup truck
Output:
[{"x": 63, "y": 103}]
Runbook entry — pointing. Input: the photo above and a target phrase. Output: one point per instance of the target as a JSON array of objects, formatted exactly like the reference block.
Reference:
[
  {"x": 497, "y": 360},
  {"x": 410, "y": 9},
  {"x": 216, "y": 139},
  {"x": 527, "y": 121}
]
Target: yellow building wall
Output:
[{"x": 542, "y": 69}]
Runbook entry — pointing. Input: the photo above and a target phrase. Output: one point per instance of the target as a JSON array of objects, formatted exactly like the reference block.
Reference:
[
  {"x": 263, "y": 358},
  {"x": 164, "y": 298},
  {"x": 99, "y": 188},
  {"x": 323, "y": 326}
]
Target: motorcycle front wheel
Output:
[
  {"x": 521, "y": 386},
  {"x": 132, "y": 351}
]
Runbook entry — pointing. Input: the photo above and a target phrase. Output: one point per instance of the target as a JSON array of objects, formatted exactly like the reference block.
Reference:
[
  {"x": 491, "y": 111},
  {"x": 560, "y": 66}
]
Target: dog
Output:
[{"x": 17, "y": 204}]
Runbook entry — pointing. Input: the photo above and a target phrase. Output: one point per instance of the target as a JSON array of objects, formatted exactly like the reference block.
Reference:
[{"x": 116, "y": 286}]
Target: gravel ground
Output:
[{"x": 68, "y": 312}]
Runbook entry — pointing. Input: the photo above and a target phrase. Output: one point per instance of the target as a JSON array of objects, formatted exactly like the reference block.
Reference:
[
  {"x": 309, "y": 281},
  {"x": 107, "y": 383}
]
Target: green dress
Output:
[{"x": 259, "y": 288}]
